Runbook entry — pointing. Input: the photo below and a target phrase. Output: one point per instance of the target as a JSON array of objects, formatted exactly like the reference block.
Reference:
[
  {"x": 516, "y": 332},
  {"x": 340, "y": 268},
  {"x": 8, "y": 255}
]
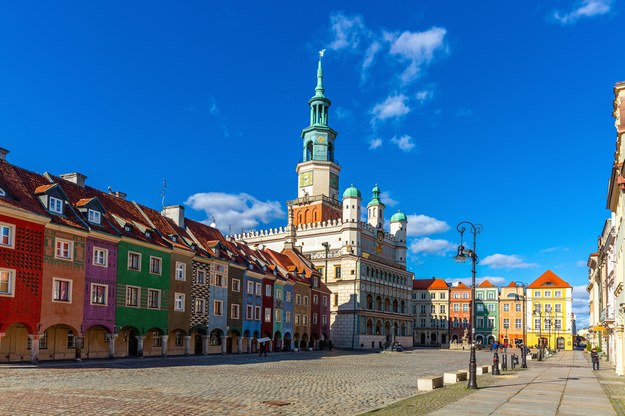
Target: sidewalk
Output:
[{"x": 564, "y": 384}]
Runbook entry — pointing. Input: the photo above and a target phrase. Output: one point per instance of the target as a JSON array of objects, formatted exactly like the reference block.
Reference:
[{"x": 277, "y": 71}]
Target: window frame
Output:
[
  {"x": 180, "y": 271},
  {"x": 218, "y": 307},
  {"x": 95, "y": 257},
  {"x": 105, "y": 296},
  {"x": 131, "y": 254},
  {"x": 55, "y": 291},
  {"x": 200, "y": 306},
  {"x": 250, "y": 288},
  {"x": 159, "y": 299},
  {"x": 52, "y": 205},
  {"x": 10, "y": 235},
  {"x": 197, "y": 277},
  {"x": 153, "y": 261},
  {"x": 93, "y": 218},
  {"x": 130, "y": 288},
  {"x": 58, "y": 242},
  {"x": 236, "y": 285},
  {"x": 235, "y": 311},
  {"x": 10, "y": 293},
  {"x": 178, "y": 296}
]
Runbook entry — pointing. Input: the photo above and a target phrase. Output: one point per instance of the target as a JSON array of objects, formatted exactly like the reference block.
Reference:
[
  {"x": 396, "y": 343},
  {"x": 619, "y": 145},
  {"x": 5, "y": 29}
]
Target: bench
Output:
[
  {"x": 453, "y": 378},
  {"x": 429, "y": 383},
  {"x": 479, "y": 370}
]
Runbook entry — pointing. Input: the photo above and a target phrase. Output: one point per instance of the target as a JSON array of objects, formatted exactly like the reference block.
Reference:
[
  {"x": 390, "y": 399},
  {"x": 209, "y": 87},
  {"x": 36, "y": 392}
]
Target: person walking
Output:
[
  {"x": 595, "y": 359},
  {"x": 263, "y": 350}
]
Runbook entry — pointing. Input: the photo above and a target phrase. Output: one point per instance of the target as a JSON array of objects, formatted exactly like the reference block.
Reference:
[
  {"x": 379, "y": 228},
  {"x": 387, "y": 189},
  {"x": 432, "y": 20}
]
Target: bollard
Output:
[
  {"x": 504, "y": 362},
  {"x": 496, "y": 364}
]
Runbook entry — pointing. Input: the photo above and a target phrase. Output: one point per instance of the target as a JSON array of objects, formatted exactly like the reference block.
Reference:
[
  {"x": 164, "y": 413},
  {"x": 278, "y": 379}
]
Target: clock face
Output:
[
  {"x": 305, "y": 179},
  {"x": 321, "y": 139}
]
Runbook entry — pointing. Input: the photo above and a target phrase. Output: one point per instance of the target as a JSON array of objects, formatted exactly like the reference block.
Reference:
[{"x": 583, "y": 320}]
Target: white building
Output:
[{"x": 363, "y": 264}]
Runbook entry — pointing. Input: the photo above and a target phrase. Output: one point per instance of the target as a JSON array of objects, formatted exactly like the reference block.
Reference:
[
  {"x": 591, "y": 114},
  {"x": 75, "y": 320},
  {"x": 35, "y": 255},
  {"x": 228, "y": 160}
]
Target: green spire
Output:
[
  {"x": 319, "y": 89},
  {"x": 375, "y": 199}
]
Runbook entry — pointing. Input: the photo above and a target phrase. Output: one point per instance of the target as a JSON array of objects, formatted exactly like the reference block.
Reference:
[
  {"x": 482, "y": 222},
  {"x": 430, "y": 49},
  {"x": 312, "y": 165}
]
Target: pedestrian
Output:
[
  {"x": 330, "y": 346},
  {"x": 263, "y": 350},
  {"x": 595, "y": 359}
]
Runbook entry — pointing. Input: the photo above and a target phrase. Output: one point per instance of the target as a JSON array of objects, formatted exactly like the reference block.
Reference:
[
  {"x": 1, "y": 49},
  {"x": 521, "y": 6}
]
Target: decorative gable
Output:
[{"x": 52, "y": 198}]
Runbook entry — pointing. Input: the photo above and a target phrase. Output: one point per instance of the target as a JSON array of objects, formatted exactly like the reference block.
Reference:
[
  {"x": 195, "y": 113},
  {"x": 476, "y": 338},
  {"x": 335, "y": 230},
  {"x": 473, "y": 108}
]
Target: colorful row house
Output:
[
  {"x": 537, "y": 314},
  {"x": 89, "y": 274}
]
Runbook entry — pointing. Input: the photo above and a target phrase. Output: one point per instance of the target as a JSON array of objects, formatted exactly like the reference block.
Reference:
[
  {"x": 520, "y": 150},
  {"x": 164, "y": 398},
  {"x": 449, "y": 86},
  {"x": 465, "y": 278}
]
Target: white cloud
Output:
[
  {"x": 423, "y": 225},
  {"x": 550, "y": 250},
  {"x": 369, "y": 59},
  {"x": 581, "y": 263},
  {"x": 347, "y": 31},
  {"x": 580, "y": 305},
  {"x": 393, "y": 106},
  {"x": 585, "y": 8},
  {"x": 235, "y": 211},
  {"x": 386, "y": 198},
  {"x": 375, "y": 143},
  {"x": 427, "y": 245},
  {"x": 417, "y": 48},
  {"x": 424, "y": 95},
  {"x": 503, "y": 261},
  {"x": 405, "y": 143},
  {"x": 342, "y": 113}
]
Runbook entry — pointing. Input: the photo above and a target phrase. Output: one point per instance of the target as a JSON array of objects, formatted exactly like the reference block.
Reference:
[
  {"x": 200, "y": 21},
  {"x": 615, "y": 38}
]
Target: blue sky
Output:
[{"x": 490, "y": 112}]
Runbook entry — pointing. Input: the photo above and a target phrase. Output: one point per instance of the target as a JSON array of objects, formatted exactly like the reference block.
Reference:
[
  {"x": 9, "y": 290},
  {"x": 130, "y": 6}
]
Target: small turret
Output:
[
  {"x": 375, "y": 209},
  {"x": 351, "y": 204},
  {"x": 399, "y": 227}
]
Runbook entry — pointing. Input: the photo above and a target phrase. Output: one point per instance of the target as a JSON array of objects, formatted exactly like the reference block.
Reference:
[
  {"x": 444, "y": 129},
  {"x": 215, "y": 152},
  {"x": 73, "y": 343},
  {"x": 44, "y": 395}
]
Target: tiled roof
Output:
[
  {"x": 547, "y": 280},
  {"x": 16, "y": 182},
  {"x": 460, "y": 286},
  {"x": 486, "y": 283},
  {"x": 43, "y": 188},
  {"x": 431, "y": 284}
]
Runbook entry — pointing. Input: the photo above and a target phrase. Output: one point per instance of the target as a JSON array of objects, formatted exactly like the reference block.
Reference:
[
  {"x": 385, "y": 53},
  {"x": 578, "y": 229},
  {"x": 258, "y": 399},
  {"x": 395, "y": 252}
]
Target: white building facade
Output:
[{"x": 363, "y": 263}]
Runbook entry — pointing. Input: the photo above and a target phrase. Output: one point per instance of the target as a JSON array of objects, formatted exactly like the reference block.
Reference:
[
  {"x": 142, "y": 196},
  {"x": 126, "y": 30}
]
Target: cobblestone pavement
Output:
[
  {"x": 612, "y": 384},
  {"x": 334, "y": 382}
]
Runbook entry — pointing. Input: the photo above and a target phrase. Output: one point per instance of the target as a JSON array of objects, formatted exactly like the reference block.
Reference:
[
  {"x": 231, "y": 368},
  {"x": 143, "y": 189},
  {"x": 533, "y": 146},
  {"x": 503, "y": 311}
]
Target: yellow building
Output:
[{"x": 549, "y": 312}]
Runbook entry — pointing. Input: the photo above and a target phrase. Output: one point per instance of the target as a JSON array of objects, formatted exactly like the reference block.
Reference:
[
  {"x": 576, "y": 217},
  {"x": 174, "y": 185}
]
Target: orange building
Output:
[
  {"x": 511, "y": 314},
  {"x": 459, "y": 313}
]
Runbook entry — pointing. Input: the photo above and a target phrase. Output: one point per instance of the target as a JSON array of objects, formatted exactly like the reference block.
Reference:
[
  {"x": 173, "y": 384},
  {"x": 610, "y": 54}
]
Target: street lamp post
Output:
[
  {"x": 462, "y": 256},
  {"x": 538, "y": 311},
  {"x": 326, "y": 245},
  {"x": 522, "y": 297}
]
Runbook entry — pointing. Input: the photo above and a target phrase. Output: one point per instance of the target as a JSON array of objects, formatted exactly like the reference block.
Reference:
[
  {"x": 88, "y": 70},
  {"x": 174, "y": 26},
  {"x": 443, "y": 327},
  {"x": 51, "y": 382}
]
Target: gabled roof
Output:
[
  {"x": 431, "y": 284},
  {"x": 460, "y": 286},
  {"x": 17, "y": 183},
  {"x": 486, "y": 283},
  {"x": 548, "y": 280},
  {"x": 512, "y": 284}
]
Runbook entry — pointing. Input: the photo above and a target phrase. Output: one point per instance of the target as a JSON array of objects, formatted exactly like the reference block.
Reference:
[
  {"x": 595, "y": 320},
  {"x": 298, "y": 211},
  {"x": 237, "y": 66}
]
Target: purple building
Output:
[{"x": 100, "y": 286}]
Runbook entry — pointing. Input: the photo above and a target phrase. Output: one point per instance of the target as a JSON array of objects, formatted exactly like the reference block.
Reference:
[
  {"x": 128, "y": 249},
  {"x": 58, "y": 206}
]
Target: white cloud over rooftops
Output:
[
  {"x": 504, "y": 261},
  {"x": 426, "y": 245},
  {"x": 420, "y": 225},
  {"x": 235, "y": 212}
]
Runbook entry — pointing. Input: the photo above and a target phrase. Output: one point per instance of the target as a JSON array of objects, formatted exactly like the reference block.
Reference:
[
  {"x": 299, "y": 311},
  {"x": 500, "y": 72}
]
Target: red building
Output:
[
  {"x": 22, "y": 223},
  {"x": 460, "y": 313}
]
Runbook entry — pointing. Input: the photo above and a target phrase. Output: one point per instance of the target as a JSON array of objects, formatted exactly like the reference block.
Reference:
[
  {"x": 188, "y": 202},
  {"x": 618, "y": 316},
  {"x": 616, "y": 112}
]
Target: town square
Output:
[{"x": 344, "y": 209}]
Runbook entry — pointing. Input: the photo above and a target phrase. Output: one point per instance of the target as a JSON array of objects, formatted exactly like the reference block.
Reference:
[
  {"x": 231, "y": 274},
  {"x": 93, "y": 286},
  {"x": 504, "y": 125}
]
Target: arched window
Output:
[
  {"x": 369, "y": 302},
  {"x": 387, "y": 305},
  {"x": 403, "y": 306},
  {"x": 215, "y": 339},
  {"x": 309, "y": 151},
  {"x": 369, "y": 327},
  {"x": 330, "y": 152},
  {"x": 378, "y": 303},
  {"x": 395, "y": 306}
]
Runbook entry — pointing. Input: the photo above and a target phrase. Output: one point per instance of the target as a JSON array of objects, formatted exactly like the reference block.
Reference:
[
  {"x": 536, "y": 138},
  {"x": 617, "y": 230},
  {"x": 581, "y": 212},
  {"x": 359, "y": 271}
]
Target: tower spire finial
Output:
[{"x": 319, "y": 89}]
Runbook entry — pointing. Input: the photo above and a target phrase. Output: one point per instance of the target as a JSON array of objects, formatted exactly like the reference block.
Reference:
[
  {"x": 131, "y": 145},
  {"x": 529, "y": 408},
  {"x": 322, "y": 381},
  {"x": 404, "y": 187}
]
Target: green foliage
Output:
[{"x": 588, "y": 347}]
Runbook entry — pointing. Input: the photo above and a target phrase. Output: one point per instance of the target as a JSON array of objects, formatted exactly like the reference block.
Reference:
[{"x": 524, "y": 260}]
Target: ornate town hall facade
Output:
[{"x": 363, "y": 264}]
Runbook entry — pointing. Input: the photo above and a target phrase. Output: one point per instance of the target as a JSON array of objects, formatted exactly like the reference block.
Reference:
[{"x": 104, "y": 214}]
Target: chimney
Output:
[
  {"x": 3, "y": 153},
  {"x": 119, "y": 194},
  {"x": 176, "y": 213},
  {"x": 75, "y": 177}
]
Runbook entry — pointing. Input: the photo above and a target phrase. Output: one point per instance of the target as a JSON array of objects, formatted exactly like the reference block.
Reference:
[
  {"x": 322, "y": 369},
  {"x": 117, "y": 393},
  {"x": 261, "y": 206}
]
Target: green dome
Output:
[
  {"x": 351, "y": 192},
  {"x": 399, "y": 216},
  {"x": 375, "y": 200}
]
